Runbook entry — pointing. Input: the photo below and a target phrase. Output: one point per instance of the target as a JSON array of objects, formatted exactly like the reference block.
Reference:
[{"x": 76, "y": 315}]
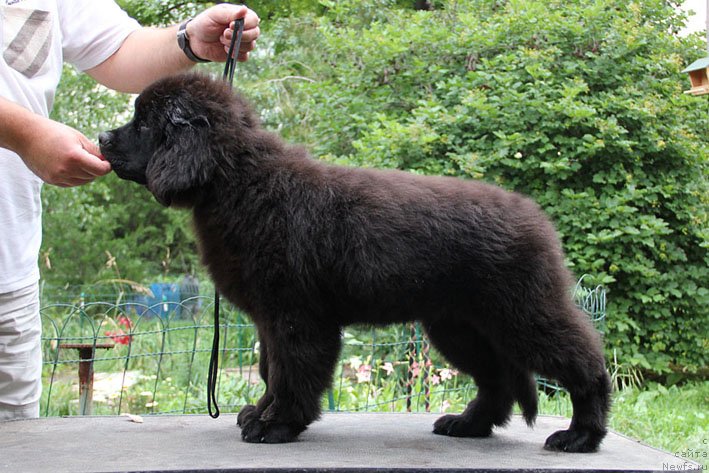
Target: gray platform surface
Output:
[{"x": 338, "y": 442}]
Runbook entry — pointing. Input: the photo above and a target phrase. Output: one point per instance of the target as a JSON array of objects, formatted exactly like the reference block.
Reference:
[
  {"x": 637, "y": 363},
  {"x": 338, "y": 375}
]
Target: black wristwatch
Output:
[{"x": 183, "y": 41}]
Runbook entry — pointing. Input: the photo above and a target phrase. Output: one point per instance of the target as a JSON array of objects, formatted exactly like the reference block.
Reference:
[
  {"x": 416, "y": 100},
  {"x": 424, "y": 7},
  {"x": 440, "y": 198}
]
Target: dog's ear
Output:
[
  {"x": 178, "y": 116},
  {"x": 183, "y": 162}
]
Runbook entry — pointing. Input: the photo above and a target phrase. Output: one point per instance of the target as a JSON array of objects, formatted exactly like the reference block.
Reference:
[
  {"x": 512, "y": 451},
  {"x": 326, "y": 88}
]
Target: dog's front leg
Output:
[{"x": 301, "y": 354}]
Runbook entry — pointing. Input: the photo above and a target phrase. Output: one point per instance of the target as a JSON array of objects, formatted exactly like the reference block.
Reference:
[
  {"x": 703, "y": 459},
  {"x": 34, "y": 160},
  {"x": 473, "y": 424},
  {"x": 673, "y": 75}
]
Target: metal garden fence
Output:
[{"x": 135, "y": 355}]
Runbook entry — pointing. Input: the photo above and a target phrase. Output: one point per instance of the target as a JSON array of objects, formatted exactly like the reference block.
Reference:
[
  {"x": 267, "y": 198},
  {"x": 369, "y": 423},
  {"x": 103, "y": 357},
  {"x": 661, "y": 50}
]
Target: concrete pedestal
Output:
[{"x": 366, "y": 442}]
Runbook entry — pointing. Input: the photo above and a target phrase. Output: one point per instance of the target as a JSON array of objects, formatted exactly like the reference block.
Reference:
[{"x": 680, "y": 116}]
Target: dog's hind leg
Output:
[
  {"x": 591, "y": 402},
  {"x": 470, "y": 352},
  {"x": 301, "y": 355},
  {"x": 579, "y": 366},
  {"x": 557, "y": 341}
]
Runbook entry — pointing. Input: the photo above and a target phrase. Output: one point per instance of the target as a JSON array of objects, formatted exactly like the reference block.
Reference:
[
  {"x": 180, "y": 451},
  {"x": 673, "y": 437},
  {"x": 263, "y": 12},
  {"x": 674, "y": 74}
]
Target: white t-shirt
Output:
[{"x": 38, "y": 36}]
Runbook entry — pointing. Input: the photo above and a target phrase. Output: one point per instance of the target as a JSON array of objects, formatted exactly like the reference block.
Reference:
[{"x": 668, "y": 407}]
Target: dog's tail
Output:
[{"x": 525, "y": 392}]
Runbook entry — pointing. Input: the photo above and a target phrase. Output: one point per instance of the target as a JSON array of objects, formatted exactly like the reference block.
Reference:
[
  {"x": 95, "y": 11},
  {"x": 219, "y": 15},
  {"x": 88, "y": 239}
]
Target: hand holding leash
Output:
[{"x": 210, "y": 33}]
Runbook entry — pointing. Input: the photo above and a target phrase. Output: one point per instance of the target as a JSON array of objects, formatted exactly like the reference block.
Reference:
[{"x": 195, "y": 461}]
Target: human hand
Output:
[
  {"x": 62, "y": 156},
  {"x": 211, "y": 31}
]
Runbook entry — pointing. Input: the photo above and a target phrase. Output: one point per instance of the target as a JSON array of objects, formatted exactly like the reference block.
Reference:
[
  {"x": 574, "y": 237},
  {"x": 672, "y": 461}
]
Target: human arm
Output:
[
  {"x": 56, "y": 153},
  {"x": 62, "y": 156},
  {"x": 148, "y": 54}
]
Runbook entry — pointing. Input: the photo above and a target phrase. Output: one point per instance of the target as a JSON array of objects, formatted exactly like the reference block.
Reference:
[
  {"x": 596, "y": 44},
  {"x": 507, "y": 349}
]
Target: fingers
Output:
[
  {"x": 229, "y": 13},
  {"x": 248, "y": 37},
  {"x": 242, "y": 56},
  {"x": 89, "y": 166},
  {"x": 71, "y": 182},
  {"x": 77, "y": 165},
  {"x": 89, "y": 160},
  {"x": 225, "y": 14},
  {"x": 248, "y": 41},
  {"x": 212, "y": 30},
  {"x": 251, "y": 20},
  {"x": 64, "y": 156},
  {"x": 250, "y": 34},
  {"x": 78, "y": 169},
  {"x": 251, "y": 26}
]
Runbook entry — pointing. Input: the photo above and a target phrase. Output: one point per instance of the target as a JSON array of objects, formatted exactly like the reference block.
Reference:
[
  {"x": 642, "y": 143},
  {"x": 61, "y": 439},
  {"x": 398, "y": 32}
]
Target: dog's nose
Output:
[{"x": 104, "y": 139}]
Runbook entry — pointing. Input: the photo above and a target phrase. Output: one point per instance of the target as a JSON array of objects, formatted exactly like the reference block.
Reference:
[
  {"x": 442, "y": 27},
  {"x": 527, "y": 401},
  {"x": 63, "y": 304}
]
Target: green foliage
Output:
[
  {"x": 577, "y": 104},
  {"x": 162, "y": 12},
  {"x": 112, "y": 229},
  {"x": 674, "y": 419},
  {"x": 270, "y": 9}
]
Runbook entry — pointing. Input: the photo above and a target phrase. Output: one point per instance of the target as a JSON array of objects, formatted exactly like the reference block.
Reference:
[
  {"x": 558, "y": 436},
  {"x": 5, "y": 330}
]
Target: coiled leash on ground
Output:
[{"x": 214, "y": 358}]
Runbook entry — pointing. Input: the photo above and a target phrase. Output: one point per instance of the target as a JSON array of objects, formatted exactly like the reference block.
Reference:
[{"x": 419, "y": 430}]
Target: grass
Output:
[{"x": 675, "y": 419}]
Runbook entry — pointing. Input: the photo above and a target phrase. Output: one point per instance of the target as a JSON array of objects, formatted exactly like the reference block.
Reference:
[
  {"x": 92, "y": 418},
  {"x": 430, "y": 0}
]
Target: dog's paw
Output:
[
  {"x": 246, "y": 414},
  {"x": 257, "y": 431},
  {"x": 460, "y": 426},
  {"x": 574, "y": 441}
]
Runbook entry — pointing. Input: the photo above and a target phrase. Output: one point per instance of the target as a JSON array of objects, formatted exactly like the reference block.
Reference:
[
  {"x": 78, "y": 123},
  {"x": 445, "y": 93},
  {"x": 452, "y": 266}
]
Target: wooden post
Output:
[{"x": 87, "y": 351}]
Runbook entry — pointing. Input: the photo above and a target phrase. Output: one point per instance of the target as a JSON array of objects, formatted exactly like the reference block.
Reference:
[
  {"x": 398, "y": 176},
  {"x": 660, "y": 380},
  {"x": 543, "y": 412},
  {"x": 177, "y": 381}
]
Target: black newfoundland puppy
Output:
[{"x": 306, "y": 248}]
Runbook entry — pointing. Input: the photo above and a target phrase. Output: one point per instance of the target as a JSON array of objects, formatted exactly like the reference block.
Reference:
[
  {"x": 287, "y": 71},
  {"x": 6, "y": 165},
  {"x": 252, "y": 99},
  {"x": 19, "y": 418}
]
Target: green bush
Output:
[{"x": 578, "y": 104}]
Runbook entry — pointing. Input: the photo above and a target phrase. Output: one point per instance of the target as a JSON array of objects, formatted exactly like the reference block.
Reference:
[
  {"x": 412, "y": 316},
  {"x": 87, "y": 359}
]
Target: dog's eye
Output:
[{"x": 144, "y": 129}]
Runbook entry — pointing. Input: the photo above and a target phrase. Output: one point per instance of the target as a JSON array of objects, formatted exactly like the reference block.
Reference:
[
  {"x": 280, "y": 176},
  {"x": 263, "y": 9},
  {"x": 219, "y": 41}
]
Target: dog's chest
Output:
[{"x": 242, "y": 257}]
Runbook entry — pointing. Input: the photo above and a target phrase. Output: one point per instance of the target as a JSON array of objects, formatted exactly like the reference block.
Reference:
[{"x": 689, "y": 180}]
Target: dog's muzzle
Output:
[{"x": 105, "y": 139}]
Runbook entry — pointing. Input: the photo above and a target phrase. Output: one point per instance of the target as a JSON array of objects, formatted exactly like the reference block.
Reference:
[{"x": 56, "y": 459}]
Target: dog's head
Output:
[{"x": 174, "y": 141}]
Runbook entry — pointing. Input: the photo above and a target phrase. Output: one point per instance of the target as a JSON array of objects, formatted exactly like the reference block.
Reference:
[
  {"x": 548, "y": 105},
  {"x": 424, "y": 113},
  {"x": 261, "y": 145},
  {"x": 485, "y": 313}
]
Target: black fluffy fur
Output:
[{"x": 306, "y": 248}]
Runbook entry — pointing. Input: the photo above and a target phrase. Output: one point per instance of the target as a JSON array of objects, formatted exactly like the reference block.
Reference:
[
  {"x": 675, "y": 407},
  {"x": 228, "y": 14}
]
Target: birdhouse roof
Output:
[{"x": 698, "y": 64}]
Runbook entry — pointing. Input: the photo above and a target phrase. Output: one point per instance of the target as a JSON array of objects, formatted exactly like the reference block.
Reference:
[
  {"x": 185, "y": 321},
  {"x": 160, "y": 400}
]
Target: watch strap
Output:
[{"x": 183, "y": 41}]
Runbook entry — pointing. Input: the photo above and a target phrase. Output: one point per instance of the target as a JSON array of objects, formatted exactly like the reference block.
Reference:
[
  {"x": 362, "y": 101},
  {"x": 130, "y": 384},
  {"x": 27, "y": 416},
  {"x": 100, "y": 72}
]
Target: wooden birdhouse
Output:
[{"x": 698, "y": 76}]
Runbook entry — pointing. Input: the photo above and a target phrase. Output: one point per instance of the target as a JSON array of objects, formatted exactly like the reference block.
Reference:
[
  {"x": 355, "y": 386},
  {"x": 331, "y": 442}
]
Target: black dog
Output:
[{"x": 306, "y": 248}]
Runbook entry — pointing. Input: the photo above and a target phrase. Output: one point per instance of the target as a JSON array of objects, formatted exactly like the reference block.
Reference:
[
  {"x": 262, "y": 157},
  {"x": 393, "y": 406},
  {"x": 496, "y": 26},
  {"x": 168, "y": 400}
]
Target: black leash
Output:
[
  {"x": 214, "y": 358},
  {"x": 233, "y": 51},
  {"x": 214, "y": 363}
]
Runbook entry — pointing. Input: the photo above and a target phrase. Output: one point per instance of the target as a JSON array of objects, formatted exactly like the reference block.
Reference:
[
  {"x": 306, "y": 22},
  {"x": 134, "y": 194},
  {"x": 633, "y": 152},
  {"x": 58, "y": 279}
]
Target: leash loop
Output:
[
  {"x": 228, "y": 76},
  {"x": 214, "y": 363}
]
